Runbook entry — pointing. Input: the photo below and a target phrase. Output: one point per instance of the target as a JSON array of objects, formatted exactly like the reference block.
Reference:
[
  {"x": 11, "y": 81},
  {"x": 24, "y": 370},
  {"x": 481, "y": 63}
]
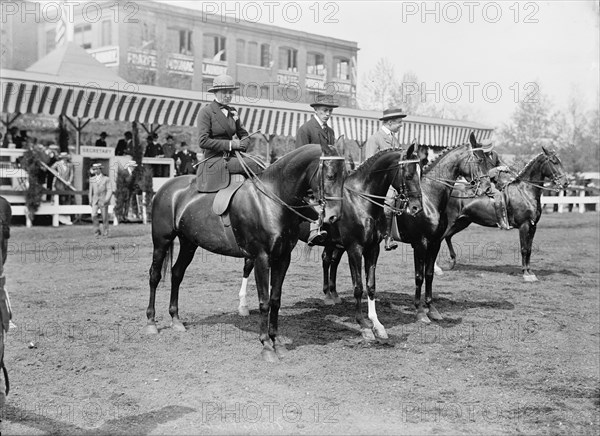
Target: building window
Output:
[
  {"x": 240, "y": 51},
  {"x": 180, "y": 41},
  {"x": 50, "y": 40},
  {"x": 148, "y": 36},
  {"x": 106, "y": 33},
  {"x": 315, "y": 64},
  {"x": 253, "y": 53},
  {"x": 342, "y": 68},
  {"x": 214, "y": 47},
  {"x": 83, "y": 35},
  {"x": 288, "y": 59},
  {"x": 265, "y": 55}
]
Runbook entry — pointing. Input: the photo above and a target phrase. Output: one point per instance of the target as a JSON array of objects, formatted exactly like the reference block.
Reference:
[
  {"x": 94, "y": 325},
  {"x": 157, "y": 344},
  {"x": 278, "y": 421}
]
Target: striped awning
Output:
[
  {"x": 24, "y": 92},
  {"x": 92, "y": 102}
]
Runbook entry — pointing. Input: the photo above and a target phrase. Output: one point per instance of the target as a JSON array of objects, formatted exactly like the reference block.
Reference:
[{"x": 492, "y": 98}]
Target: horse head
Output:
[
  {"x": 408, "y": 181},
  {"x": 328, "y": 184},
  {"x": 476, "y": 167},
  {"x": 554, "y": 170}
]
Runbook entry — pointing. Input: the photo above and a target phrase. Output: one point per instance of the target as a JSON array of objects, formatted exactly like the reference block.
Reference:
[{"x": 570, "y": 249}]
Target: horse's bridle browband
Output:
[
  {"x": 402, "y": 195},
  {"x": 262, "y": 188}
]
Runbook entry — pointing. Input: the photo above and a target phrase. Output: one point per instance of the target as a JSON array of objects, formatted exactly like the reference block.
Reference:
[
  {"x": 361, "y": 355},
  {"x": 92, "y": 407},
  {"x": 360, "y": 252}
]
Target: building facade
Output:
[{"x": 169, "y": 46}]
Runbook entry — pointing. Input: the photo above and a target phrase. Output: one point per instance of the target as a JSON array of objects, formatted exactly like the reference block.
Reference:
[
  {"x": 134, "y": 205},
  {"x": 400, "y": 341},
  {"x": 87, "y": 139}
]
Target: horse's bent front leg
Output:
[
  {"x": 371, "y": 255},
  {"x": 336, "y": 256},
  {"x": 526, "y": 234},
  {"x": 261, "y": 275},
  {"x": 187, "y": 250},
  {"x": 243, "y": 306}
]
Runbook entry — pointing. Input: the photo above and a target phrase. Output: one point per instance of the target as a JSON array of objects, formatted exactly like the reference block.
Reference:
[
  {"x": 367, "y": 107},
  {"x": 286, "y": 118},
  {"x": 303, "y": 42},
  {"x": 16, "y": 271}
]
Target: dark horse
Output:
[
  {"x": 5, "y": 311},
  {"x": 264, "y": 227},
  {"x": 424, "y": 231},
  {"x": 523, "y": 205},
  {"x": 361, "y": 229}
]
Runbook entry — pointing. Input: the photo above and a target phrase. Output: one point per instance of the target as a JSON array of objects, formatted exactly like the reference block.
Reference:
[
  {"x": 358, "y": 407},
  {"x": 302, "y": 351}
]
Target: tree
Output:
[{"x": 379, "y": 87}]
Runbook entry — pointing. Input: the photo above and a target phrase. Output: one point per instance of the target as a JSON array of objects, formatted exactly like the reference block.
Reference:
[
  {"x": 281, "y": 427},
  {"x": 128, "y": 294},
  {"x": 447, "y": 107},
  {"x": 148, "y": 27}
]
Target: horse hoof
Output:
[
  {"x": 281, "y": 351},
  {"x": 328, "y": 300},
  {"x": 269, "y": 355},
  {"x": 243, "y": 311},
  {"x": 337, "y": 300},
  {"x": 422, "y": 317},
  {"x": 151, "y": 329},
  {"x": 434, "y": 314},
  {"x": 380, "y": 333},
  {"x": 530, "y": 278},
  {"x": 367, "y": 334},
  {"x": 177, "y": 326}
]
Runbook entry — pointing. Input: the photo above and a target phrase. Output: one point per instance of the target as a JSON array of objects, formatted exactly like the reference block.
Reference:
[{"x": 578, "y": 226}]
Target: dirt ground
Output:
[{"x": 510, "y": 357}]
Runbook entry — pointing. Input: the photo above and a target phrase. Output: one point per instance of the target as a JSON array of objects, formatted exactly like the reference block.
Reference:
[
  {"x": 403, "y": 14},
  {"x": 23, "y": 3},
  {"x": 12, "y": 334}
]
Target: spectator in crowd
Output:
[
  {"x": 101, "y": 142},
  {"x": 316, "y": 131},
  {"x": 169, "y": 153},
  {"x": 12, "y": 137},
  {"x": 66, "y": 172},
  {"x": 152, "y": 149},
  {"x": 185, "y": 160},
  {"x": 125, "y": 145},
  {"x": 100, "y": 194},
  {"x": 52, "y": 157}
]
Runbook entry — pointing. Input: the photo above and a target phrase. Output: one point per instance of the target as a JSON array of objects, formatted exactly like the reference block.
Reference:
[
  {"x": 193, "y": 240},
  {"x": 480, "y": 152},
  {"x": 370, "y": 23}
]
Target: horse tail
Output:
[{"x": 167, "y": 264}]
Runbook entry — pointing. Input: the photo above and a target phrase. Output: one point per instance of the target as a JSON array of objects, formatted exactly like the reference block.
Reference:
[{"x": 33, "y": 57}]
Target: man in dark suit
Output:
[
  {"x": 316, "y": 130},
  {"x": 101, "y": 142},
  {"x": 222, "y": 134},
  {"x": 125, "y": 145},
  {"x": 184, "y": 160}
]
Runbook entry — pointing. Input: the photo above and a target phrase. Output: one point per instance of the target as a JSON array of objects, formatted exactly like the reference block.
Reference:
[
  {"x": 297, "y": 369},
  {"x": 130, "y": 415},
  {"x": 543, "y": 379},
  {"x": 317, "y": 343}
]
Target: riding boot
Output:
[
  {"x": 316, "y": 236},
  {"x": 390, "y": 244},
  {"x": 501, "y": 217}
]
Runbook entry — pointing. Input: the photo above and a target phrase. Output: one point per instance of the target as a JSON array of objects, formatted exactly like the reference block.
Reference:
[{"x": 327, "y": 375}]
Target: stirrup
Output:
[
  {"x": 316, "y": 237},
  {"x": 390, "y": 244}
]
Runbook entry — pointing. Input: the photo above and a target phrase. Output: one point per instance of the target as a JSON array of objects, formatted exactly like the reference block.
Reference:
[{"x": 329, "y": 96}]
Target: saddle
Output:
[{"x": 224, "y": 196}]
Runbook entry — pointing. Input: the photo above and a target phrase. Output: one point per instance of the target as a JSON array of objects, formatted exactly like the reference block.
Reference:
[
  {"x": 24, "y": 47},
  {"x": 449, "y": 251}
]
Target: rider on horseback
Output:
[
  {"x": 494, "y": 191},
  {"x": 221, "y": 135},
  {"x": 382, "y": 139}
]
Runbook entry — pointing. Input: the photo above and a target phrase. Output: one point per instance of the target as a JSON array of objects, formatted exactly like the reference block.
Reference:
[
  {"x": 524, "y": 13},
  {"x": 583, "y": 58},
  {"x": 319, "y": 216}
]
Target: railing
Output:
[{"x": 568, "y": 203}]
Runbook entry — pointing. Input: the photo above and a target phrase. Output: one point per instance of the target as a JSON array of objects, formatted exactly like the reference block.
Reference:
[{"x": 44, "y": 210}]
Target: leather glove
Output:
[{"x": 237, "y": 145}]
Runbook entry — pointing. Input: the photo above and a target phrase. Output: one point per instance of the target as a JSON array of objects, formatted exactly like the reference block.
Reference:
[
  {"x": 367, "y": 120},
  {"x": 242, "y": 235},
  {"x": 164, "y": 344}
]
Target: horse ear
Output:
[
  {"x": 546, "y": 152},
  {"x": 472, "y": 140},
  {"x": 410, "y": 151},
  {"x": 328, "y": 150}
]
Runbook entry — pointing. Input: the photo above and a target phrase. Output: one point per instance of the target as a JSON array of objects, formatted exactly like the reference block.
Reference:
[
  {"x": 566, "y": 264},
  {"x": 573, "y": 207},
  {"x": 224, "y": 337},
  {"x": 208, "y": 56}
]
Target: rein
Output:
[{"x": 260, "y": 186}]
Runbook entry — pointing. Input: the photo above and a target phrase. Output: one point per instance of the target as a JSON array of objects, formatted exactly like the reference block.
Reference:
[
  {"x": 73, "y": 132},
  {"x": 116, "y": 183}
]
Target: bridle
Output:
[
  {"x": 474, "y": 184},
  {"x": 321, "y": 197},
  {"x": 403, "y": 196}
]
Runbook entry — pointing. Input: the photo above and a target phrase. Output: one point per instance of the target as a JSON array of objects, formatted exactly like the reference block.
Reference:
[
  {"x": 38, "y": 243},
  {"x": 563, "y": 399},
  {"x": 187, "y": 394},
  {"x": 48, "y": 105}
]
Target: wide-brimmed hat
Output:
[
  {"x": 64, "y": 154},
  {"x": 222, "y": 83},
  {"x": 324, "y": 100},
  {"x": 486, "y": 145},
  {"x": 97, "y": 165},
  {"x": 391, "y": 113},
  {"x": 131, "y": 164},
  {"x": 103, "y": 134}
]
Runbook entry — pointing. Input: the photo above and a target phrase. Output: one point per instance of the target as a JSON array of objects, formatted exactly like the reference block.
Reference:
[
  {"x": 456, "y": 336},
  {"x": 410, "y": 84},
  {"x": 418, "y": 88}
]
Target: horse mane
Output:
[
  {"x": 528, "y": 165},
  {"x": 366, "y": 165},
  {"x": 427, "y": 168}
]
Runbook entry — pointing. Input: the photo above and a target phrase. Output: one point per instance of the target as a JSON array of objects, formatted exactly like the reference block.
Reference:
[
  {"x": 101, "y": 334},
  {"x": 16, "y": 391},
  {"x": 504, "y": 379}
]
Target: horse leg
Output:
[
  {"x": 162, "y": 247},
  {"x": 261, "y": 275},
  {"x": 335, "y": 262},
  {"x": 187, "y": 249},
  {"x": 355, "y": 261},
  {"x": 419, "y": 259},
  {"x": 430, "y": 258},
  {"x": 243, "y": 307},
  {"x": 526, "y": 234},
  {"x": 326, "y": 257},
  {"x": 371, "y": 257},
  {"x": 278, "y": 270},
  {"x": 458, "y": 226}
]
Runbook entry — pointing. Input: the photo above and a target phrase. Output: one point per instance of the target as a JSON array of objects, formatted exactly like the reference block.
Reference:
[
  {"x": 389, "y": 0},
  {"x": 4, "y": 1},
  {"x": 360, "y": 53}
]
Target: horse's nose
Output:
[
  {"x": 333, "y": 219},
  {"x": 415, "y": 210}
]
